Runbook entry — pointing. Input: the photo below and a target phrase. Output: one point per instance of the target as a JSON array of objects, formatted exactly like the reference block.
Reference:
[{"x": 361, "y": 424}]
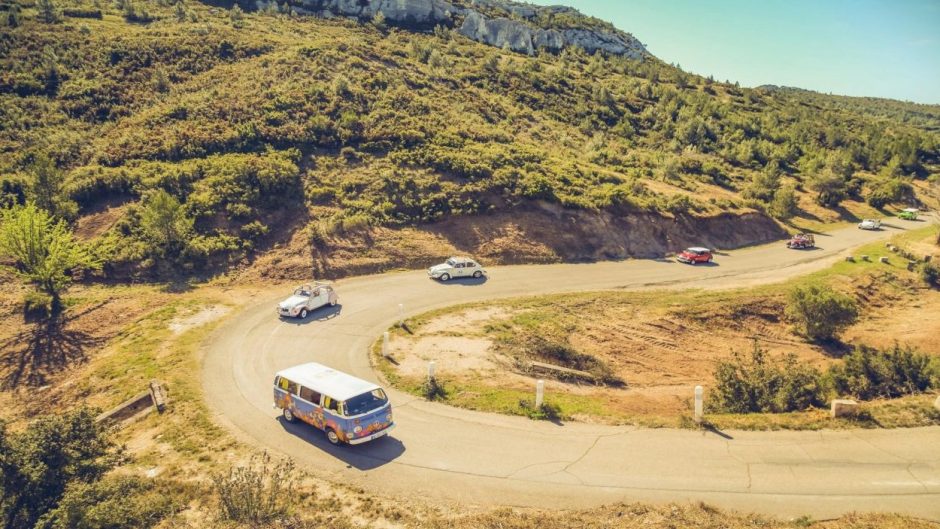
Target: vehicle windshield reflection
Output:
[{"x": 366, "y": 402}]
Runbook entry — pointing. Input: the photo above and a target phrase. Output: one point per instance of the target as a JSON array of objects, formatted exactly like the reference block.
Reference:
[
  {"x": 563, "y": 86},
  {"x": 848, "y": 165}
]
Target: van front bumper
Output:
[{"x": 376, "y": 435}]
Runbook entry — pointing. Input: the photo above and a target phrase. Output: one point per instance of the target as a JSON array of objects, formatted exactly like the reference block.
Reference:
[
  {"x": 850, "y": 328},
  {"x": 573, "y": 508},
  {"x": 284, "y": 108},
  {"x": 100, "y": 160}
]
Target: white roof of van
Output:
[{"x": 326, "y": 380}]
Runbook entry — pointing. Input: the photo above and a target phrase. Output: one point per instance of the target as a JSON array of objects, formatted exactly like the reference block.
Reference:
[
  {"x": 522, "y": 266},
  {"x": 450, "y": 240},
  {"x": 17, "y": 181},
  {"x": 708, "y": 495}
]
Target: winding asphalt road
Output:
[{"x": 449, "y": 455}]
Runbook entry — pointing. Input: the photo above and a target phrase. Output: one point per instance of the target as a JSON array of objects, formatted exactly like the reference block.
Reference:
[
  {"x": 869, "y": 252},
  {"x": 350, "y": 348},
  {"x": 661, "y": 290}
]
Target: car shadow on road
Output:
[
  {"x": 464, "y": 281},
  {"x": 892, "y": 226},
  {"x": 810, "y": 249},
  {"x": 366, "y": 456},
  {"x": 324, "y": 313}
]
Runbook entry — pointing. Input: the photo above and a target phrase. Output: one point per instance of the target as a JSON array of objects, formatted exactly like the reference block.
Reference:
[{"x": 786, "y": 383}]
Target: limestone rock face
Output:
[
  {"x": 424, "y": 13},
  {"x": 519, "y": 33}
]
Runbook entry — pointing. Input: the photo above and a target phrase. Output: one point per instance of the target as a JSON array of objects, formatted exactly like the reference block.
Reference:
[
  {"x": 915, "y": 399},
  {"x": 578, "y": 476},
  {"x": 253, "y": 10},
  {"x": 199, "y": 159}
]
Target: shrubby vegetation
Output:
[
  {"x": 52, "y": 476},
  {"x": 761, "y": 384},
  {"x": 248, "y": 119},
  {"x": 256, "y": 494},
  {"x": 820, "y": 312}
]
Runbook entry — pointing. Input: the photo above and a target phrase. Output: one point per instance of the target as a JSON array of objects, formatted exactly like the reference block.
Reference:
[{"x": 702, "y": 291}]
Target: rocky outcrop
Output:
[
  {"x": 525, "y": 38},
  {"x": 410, "y": 13},
  {"x": 520, "y": 33}
]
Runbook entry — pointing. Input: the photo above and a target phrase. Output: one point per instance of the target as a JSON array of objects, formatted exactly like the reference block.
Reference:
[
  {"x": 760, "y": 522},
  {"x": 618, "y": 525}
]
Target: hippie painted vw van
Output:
[{"x": 349, "y": 409}]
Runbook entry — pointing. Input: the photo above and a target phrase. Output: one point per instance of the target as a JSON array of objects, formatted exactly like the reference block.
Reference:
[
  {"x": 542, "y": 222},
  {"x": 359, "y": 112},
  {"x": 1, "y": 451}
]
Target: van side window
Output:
[
  {"x": 310, "y": 395},
  {"x": 331, "y": 404},
  {"x": 287, "y": 385}
]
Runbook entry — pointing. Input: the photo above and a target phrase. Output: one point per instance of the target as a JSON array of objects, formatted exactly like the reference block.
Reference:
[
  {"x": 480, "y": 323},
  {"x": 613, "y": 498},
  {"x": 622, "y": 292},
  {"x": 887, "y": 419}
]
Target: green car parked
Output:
[{"x": 908, "y": 214}]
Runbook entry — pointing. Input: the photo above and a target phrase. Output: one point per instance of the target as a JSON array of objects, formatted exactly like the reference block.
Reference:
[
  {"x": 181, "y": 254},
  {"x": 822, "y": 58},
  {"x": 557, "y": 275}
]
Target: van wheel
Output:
[
  {"x": 303, "y": 314},
  {"x": 477, "y": 274},
  {"x": 332, "y": 436},
  {"x": 445, "y": 277},
  {"x": 332, "y": 302},
  {"x": 289, "y": 415}
]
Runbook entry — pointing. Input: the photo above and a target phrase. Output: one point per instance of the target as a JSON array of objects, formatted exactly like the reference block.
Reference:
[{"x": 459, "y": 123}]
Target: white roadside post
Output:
[
  {"x": 698, "y": 404},
  {"x": 401, "y": 315},
  {"x": 385, "y": 344},
  {"x": 539, "y": 393},
  {"x": 431, "y": 370}
]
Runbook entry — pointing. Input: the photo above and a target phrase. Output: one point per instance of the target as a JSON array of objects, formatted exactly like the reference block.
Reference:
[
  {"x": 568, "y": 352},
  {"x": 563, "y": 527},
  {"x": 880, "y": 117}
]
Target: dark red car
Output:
[{"x": 695, "y": 255}]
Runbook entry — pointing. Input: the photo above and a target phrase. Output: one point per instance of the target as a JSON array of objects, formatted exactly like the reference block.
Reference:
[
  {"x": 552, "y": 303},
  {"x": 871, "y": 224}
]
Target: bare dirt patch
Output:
[{"x": 185, "y": 322}]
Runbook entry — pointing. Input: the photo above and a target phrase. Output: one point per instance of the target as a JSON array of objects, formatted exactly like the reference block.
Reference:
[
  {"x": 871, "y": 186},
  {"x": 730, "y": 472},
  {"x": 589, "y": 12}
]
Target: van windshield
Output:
[{"x": 366, "y": 402}]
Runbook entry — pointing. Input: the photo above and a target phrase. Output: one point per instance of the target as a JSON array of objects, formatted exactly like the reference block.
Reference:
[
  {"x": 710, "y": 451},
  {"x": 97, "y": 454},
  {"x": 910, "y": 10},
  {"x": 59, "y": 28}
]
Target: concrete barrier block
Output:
[
  {"x": 865, "y": 258},
  {"x": 849, "y": 259},
  {"x": 844, "y": 408},
  {"x": 883, "y": 260},
  {"x": 927, "y": 258},
  {"x": 911, "y": 265}
]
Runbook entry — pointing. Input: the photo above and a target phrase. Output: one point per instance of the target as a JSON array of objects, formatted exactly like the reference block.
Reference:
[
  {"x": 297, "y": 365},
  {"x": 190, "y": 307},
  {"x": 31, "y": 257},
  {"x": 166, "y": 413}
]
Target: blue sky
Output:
[{"x": 860, "y": 48}]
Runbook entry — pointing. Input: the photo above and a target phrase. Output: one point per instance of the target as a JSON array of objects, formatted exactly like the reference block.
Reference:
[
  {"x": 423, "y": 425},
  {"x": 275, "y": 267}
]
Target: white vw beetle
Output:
[
  {"x": 870, "y": 224},
  {"x": 305, "y": 299},
  {"x": 456, "y": 267}
]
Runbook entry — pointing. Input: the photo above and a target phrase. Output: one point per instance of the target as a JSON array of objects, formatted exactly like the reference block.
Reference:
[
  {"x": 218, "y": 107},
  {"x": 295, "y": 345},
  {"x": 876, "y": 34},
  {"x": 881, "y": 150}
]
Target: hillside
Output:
[{"x": 189, "y": 138}]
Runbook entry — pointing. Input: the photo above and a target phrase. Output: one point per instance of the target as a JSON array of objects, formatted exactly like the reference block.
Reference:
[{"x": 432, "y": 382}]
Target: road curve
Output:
[{"x": 449, "y": 455}]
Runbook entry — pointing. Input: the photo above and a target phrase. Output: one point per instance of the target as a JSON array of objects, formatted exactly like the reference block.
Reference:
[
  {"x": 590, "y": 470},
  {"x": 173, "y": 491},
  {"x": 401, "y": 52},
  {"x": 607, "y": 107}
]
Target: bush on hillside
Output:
[
  {"x": 820, "y": 312},
  {"x": 41, "y": 466},
  {"x": 868, "y": 373},
  {"x": 256, "y": 494},
  {"x": 759, "y": 383}
]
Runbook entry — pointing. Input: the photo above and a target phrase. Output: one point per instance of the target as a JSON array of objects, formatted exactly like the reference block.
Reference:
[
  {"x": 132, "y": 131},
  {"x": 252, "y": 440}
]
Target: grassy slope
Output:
[{"x": 270, "y": 124}]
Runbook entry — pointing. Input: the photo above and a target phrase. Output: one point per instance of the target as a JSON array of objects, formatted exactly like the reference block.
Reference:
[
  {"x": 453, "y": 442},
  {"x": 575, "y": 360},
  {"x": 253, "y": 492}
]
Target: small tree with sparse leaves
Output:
[{"x": 42, "y": 250}]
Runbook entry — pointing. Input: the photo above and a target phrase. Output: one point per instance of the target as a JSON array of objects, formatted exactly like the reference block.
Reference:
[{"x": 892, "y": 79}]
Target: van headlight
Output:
[
  {"x": 357, "y": 429},
  {"x": 389, "y": 417}
]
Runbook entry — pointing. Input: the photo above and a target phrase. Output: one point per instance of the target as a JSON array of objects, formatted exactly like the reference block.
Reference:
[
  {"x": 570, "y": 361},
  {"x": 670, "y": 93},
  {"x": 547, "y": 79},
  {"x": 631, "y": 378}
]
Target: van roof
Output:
[{"x": 326, "y": 380}]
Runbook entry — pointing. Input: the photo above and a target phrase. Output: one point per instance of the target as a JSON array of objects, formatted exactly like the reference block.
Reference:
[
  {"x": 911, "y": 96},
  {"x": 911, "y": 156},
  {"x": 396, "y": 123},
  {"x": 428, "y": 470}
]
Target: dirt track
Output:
[{"x": 451, "y": 455}]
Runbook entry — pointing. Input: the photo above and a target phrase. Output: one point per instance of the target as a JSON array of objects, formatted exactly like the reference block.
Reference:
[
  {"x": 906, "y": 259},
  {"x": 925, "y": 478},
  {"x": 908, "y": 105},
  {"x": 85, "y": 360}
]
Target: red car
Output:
[{"x": 695, "y": 255}]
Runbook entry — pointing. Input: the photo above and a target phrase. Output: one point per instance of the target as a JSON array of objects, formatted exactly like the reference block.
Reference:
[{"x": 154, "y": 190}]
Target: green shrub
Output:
[
  {"x": 820, "y": 312},
  {"x": 930, "y": 274},
  {"x": 433, "y": 390},
  {"x": 759, "y": 383},
  {"x": 783, "y": 206},
  {"x": 888, "y": 191},
  {"x": 868, "y": 373},
  {"x": 257, "y": 493},
  {"x": 41, "y": 465},
  {"x": 547, "y": 411},
  {"x": 113, "y": 503}
]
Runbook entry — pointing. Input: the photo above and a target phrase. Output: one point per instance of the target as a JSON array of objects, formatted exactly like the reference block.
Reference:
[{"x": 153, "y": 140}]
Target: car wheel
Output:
[
  {"x": 332, "y": 436},
  {"x": 303, "y": 314},
  {"x": 289, "y": 415},
  {"x": 445, "y": 277},
  {"x": 477, "y": 274}
]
